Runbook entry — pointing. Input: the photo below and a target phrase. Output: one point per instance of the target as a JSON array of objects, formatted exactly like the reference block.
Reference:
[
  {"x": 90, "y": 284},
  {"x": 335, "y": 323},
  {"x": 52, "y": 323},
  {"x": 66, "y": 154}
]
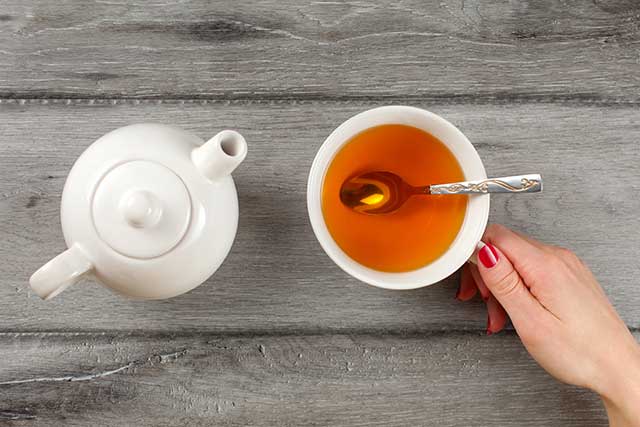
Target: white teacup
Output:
[{"x": 475, "y": 220}]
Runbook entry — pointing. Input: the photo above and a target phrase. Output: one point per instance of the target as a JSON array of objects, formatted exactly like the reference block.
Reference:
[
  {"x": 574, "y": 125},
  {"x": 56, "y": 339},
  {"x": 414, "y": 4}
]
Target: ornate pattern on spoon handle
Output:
[{"x": 509, "y": 184}]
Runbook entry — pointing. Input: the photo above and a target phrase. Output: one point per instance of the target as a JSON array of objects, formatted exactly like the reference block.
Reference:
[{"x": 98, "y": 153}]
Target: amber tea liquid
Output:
[{"x": 423, "y": 228}]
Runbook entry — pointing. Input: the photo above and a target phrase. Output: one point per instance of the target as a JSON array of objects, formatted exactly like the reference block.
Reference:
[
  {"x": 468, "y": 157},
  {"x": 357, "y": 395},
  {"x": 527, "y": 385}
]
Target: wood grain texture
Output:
[
  {"x": 467, "y": 49},
  {"x": 279, "y": 335},
  {"x": 277, "y": 278},
  {"x": 436, "y": 380}
]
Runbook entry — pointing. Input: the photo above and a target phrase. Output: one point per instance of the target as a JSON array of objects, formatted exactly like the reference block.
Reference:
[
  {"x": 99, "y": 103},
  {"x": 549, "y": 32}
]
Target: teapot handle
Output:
[{"x": 60, "y": 273}]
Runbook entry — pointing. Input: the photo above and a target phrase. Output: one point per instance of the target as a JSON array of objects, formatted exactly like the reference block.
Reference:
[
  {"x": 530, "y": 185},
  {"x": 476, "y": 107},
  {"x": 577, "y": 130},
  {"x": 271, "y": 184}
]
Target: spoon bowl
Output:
[{"x": 376, "y": 192}]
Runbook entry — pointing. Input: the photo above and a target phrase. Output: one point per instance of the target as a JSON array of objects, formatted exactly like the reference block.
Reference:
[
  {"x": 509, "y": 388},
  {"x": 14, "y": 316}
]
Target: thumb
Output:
[{"x": 506, "y": 285}]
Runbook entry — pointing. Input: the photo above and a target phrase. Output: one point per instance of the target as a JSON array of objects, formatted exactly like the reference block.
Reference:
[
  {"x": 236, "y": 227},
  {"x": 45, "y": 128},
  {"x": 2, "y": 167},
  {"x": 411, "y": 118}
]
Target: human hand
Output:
[{"x": 561, "y": 314}]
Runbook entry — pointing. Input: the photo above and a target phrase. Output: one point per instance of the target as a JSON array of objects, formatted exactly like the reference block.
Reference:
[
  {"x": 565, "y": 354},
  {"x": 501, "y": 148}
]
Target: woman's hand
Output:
[{"x": 561, "y": 314}]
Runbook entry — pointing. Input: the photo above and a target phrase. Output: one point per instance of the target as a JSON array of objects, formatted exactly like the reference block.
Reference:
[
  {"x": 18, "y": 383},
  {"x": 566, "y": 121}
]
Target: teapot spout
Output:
[{"x": 220, "y": 155}]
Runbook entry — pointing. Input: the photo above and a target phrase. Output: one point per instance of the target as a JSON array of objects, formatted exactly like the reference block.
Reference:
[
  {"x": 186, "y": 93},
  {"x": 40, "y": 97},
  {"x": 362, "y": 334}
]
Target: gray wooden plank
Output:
[
  {"x": 525, "y": 49},
  {"x": 441, "y": 380},
  {"x": 277, "y": 276}
]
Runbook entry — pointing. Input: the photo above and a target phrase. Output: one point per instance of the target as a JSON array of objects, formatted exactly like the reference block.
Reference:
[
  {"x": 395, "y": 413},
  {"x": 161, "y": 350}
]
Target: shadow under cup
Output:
[{"x": 475, "y": 219}]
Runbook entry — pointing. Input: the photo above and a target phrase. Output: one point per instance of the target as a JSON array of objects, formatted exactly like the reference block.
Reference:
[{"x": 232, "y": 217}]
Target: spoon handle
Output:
[{"x": 508, "y": 184}]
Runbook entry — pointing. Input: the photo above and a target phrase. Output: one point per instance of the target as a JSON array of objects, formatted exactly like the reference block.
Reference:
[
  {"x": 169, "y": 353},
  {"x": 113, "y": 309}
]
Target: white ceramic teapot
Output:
[{"x": 150, "y": 210}]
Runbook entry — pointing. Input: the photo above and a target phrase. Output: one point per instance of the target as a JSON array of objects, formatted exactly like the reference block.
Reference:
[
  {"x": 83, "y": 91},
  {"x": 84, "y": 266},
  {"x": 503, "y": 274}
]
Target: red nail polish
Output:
[
  {"x": 488, "y": 256},
  {"x": 489, "y": 326}
]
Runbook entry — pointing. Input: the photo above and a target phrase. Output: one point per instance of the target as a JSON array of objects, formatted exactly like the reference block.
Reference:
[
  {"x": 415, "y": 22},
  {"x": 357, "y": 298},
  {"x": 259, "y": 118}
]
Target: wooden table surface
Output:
[{"x": 279, "y": 335}]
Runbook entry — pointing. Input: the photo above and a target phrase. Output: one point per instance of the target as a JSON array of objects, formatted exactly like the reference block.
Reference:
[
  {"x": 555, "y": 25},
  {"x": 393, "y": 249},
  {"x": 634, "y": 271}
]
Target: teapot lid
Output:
[{"x": 141, "y": 209}]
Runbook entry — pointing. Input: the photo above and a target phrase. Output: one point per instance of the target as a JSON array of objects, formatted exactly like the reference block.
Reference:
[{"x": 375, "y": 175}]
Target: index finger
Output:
[
  {"x": 537, "y": 243},
  {"x": 523, "y": 254}
]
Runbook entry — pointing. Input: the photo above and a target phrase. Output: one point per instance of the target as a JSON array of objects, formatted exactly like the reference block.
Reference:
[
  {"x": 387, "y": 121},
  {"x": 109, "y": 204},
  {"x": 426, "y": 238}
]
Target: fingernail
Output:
[
  {"x": 489, "y": 326},
  {"x": 458, "y": 294},
  {"x": 488, "y": 256}
]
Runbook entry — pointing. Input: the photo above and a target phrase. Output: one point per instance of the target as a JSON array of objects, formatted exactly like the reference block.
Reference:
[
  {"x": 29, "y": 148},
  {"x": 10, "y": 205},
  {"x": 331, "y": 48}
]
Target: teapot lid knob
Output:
[{"x": 141, "y": 209}]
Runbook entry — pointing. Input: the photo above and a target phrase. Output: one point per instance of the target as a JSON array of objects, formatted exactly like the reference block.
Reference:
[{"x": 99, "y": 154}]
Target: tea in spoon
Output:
[{"x": 385, "y": 192}]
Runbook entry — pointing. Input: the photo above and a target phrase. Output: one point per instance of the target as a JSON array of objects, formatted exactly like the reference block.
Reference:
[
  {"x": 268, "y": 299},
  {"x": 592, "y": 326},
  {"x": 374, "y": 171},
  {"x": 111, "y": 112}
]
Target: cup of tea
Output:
[{"x": 430, "y": 236}]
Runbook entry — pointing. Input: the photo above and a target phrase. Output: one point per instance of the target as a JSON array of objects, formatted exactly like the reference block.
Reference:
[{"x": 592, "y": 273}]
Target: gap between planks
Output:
[
  {"x": 193, "y": 334},
  {"x": 578, "y": 99}
]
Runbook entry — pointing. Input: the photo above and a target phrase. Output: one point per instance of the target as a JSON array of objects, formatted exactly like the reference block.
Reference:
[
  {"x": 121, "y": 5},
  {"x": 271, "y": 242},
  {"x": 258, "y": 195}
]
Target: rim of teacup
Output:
[{"x": 476, "y": 216}]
